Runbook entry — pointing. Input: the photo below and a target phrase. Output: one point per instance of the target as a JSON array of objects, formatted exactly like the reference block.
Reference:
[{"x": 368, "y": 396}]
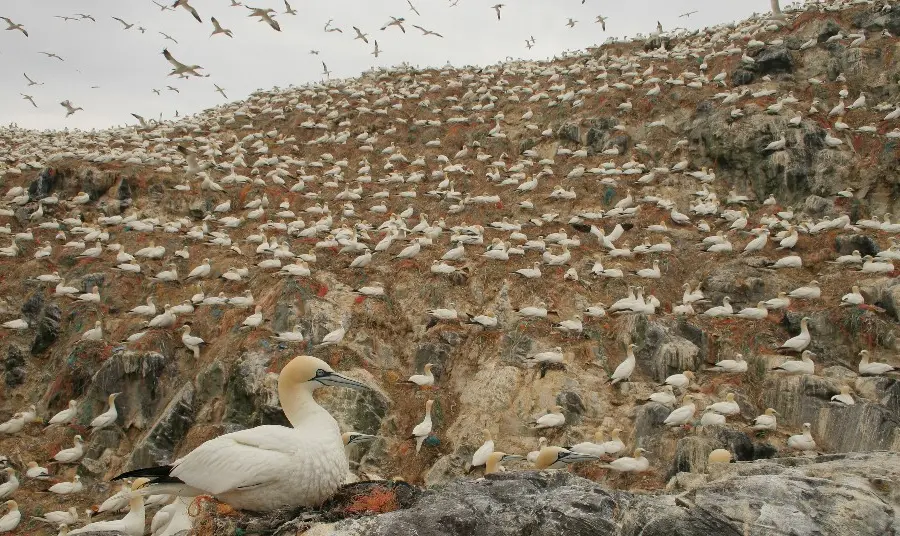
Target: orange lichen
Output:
[{"x": 378, "y": 501}]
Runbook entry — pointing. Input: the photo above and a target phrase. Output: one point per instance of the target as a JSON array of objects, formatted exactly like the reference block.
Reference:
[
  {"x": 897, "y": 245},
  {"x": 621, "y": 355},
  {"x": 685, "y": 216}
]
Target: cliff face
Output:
[{"x": 586, "y": 143}]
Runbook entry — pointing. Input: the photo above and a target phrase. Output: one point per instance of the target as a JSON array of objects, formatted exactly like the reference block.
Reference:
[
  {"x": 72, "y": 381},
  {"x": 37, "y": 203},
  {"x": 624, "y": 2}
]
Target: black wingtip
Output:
[{"x": 159, "y": 472}]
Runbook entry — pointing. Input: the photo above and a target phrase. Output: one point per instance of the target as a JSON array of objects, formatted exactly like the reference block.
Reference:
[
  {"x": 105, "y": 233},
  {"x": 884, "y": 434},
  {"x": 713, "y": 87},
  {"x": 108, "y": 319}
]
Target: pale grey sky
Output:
[{"x": 126, "y": 65}]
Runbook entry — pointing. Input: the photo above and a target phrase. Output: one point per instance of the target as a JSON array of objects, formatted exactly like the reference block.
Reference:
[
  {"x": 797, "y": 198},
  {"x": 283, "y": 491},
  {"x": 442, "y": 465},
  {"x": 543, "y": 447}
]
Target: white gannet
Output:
[
  {"x": 727, "y": 407},
  {"x": 173, "y": 519},
  {"x": 268, "y": 467},
  {"x": 290, "y": 336},
  {"x": 423, "y": 429},
  {"x": 67, "y": 488},
  {"x": 625, "y": 368},
  {"x": 733, "y": 366},
  {"x": 133, "y": 522},
  {"x": 11, "y": 519},
  {"x": 423, "y": 380},
  {"x": 552, "y": 419},
  {"x": 532, "y": 456},
  {"x": 108, "y": 417},
  {"x": 73, "y": 454},
  {"x": 559, "y": 458},
  {"x": 493, "y": 461},
  {"x": 118, "y": 501},
  {"x": 56, "y": 517},
  {"x": 663, "y": 396},
  {"x": 710, "y": 418},
  {"x": 802, "y": 441},
  {"x": 766, "y": 421},
  {"x": 11, "y": 485},
  {"x": 480, "y": 457},
  {"x": 683, "y": 414},
  {"x": 628, "y": 464},
  {"x": 804, "y": 365},
  {"x": 680, "y": 381},
  {"x": 615, "y": 445},
  {"x": 191, "y": 342},
  {"x": 35, "y": 471},
  {"x": 801, "y": 341},
  {"x": 594, "y": 448},
  {"x": 844, "y": 398},
  {"x": 873, "y": 369}
]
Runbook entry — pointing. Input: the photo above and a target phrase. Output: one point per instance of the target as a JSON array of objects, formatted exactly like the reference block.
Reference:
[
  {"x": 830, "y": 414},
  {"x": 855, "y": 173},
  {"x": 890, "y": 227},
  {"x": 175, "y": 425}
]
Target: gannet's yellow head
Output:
[
  {"x": 139, "y": 483},
  {"x": 313, "y": 372},
  {"x": 356, "y": 437},
  {"x": 719, "y": 456}
]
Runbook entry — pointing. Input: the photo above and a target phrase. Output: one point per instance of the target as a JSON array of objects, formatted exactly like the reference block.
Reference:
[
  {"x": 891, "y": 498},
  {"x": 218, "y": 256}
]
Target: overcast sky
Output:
[{"x": 126, "y": 65}]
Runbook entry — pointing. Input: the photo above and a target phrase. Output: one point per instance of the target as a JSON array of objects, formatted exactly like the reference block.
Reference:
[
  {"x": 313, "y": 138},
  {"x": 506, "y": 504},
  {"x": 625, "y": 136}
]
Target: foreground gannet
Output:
[
  {"x": 421, "y": 430},
  {"x": 683, "y": 414},
  {"x": 802, "y": 441},
  {"x": 492, "y": 463},
  {"x": 628, "y": 464},
  {"x": 732, "y": 366},
  {"x": 71, "y": 455},
  {"x": 625, "y": 368},
  {"x": 801, "y": 341},
  {"x": 268, "y": 467},
  {"x": 559, "y": 458},
  {"x": 804, "y": 366},
  {"x": 11, "y": 519},
  {"x": 133, "y": 522},
  {"x": 552, "y": 419},
  {"x": 873, "y": 369},
  {"x": 844, "y": 398},
  {"x": 484, "y": 451}
]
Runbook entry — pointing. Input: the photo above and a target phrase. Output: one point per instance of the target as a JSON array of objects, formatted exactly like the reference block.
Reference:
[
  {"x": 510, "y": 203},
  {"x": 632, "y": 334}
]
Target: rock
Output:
[
  {"x": 663, "y": 353},
  {"x": 599, "y": 132},
  {"x": 829, "y": 30},
  {"x": 773, "y": 59},
  {"x": 251, "y": 396},
  {"x": 846, "y": 244},
  {"x": 573, "y": 407},
  {"x": 47, "y": 330},
  {"x": 46, "y": 182},
  {"x": 32, "y": 307},
  {"x": 157, "y": 447},
  {"x": 802, "y": 496},
  {"x": 742, "y": 77},
  {"x": 89, "y": 281},
  {"x": 14, "y": 366},
  {"x": 815, "y": 205},
  {"x": 94, "y": 182},
  {"x": 123, "y": 194},
  {"x": 657, "y": 41},
  {"x": 648, "y": 425},
  {"x": 691, "y": 452},
  {"x": 138, "y": 376}
]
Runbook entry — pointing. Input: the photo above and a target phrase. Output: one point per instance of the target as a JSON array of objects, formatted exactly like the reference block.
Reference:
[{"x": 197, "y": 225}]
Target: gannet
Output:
[
  {"x": 552, "y": 419},
  {"x": 754, "y": 313},
  {"x": 480, "y": 457},
  {"x": 664, "y": 396},
  {"x": 294, "y": 336},
  {"x": 191, "y": 342},
  {"x": 11, "y": 485},
  {"x": 733, "y": 366},
  {"x": 844, "y": 398},
  {"x": 766, "y": 421},
  {"x": 802, "y": 441},
  {"x": 107, "y": 418},
  {"x": 627, "y": 464},
  {"x": 854, "y": 297},
  {"x": 268, "y": 467},
  {"x": 493, "y": 461},
  {"x": 594, "y": 448},
  {"x": 683, "y": 414},
  {"x": 67, "y": 517},
  {"x": 625, "y": 368},
  {"x": 559, "y": 458},
  {"x": 710, "y": 418},
  {"x": 681, "y": 381},
  {"x": 36, "y": 472},
  {"x": 73, "y": 454},
  {"x": 133, "y": 522},
  {"x": 117, "y": 501},
  {"x": 173, "y": 519},
  {"x": 728, "y": 407},
  {"x": 333, "y": 337},
  {"x": 423, "y": 380},
  {"x": 873, "y": 369},
  {"x": 804, "y": 366},
  {"x": 423, "y": 429},
  {"x": 11, "y": 519},
  {"x": 66, "y": 488},
  {"x": 801, "y": 341}
]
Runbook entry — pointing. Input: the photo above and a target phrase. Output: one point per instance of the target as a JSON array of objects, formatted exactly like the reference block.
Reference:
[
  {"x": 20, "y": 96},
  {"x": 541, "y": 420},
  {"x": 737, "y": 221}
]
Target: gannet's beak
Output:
[
  {"x": 361, "y": 438},
  {"x": 511, "y": 457},
  {"x": 335, "y": 379}
]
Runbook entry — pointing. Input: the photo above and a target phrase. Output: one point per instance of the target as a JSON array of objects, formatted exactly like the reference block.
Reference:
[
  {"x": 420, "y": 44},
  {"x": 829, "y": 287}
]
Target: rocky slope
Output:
[{"x": 307, "y": 147}]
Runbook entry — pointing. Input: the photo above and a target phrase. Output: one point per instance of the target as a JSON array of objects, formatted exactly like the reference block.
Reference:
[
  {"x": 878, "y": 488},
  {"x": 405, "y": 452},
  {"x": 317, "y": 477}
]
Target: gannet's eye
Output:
[{"x": 322, "y": 373}]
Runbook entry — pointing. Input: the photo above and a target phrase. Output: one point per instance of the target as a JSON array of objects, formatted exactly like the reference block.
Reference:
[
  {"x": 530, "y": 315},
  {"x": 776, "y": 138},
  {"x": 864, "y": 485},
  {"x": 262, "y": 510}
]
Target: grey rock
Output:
[
  {"x": 656, "y": 41},
  {"x": 48, "y": 328},
  {"x": 846, "y": 244},
  {"x": 94, "y": 279},
  {"x": 573, "y": 406},
  {"x": 94, "y": 182},
  {"x": 139, "y": 376},
  {"x": 742, "y": 77},
  {"x": 773, "y": 59},
  {"x": 46, "y": 182},
  {"x": 158, "y": 445},
  {"x": 815, "y": 205},
  {"x": 829, "y": 30},
  {"x": 124, "y": 193},
  {"x": 14, "y": 366},
  {"x": 648, "y": 425},
  {"x": 31, "y": 309}
]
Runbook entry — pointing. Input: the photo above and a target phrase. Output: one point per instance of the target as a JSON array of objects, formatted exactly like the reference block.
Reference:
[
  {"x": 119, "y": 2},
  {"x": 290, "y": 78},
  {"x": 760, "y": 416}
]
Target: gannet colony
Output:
[{"x": 644, "y": 289}]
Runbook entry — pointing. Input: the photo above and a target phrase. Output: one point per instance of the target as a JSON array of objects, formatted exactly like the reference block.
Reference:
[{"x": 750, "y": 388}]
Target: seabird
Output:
[
  {"x": 766, "y": 421},
  {"x": 191, "y": 10},
  {"x": 625, "y": 368},
  {"x": 268, "y": 467},
  {"x": 360, "y": 35},
  {"x": 29, "y": 98},
  {"x": 480, "y": 457},
  {"x": 423, "y": 380},
  {"x": 265, "y": 15},
  {"x": 682, "y": 415},
  {"x": 627, "y": 464},
  {"x": 844, "y": 398},
  {"x": 180, "y": 68},
  {"x": 125, "y": 24},
  {"x": 395, "y": 21},
  {"x": 559, "y": 458},
  {"x": 13, "y": 26},
  {"x": 497, "y": 8},
  {"x": 133, "y": 522},
  {"x": 492, "y": 464},
  {"x": 423, "y": 429},
  {"x": 552, "y": 419},
  {"x": 107, "y": 418},
  {"x": 217, "y": 29},
  {"x": 804, "y": 441},
  {"x": 70, "y": 109},
  {"x": 873, "y": 369}
]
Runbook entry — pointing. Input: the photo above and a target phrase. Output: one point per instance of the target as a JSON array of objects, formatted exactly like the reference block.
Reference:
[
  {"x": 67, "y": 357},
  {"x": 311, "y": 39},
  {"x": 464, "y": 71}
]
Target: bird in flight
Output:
[
  {"x": 217, "y": 29},
  {"x": 360, "y": 35},
  {"x": 497, "y": 7},
  {"x": 325, "y": 70},
  {"x": 142, "y": 29},
  {"x": 529, "y": 44},
  {"x": 31, "y": 82},
  {"x": 69, "y": 107},
  {"x": 65, "y": 18},
  {"x": 427, "y": 32},
  {"x": 155, "y": 91},
  {"x": 141, "y": 120},
  {"x": 168, "y": 37},
  {"x": 235, "y": 3},
  {"x": 180, "y": 68},
  {"x": 221, "y": 91},
  {"x": 175, "y": 89},
  {"x": 14, "y": 26},
  {"x": 163, "y": 7},
  {"x": 314, "y": 52},
  {"x": 602, "y": 20},
  {"x": 659, "y": 27},
  {"x": 413, "y": 8},
  {"x": 288, "y": 10},
  {"x": 328, "y": 27},
  {"x": 125, "y": 24},
  {"x": 51, "y": 55},
  {"x": 265, "y": 16},
  {"x": 395, "y": 22},
  {"x": 571, "y": 23},
  {"x": 191, "y": 10},
  {"x": 29, "y": 98},
  {"x": 685, "y": 15},
  {"x": 377, "y": 51},
  {"x": 84, "y": 17}
]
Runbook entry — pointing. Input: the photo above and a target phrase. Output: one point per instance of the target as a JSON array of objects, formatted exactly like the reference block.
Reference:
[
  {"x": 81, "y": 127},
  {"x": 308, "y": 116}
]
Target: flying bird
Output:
[
  {"x": 288, "y": 10},
  {"x": 360, "y": 35},
  {"x": 185, "y": 5},
  {"x": 528, "y": 44},
  {"x": 497, "y": 8},
  {"x": 141, "y": 120},
  {"x": 325, "y": 70},
  {"x": 427, "y": 32},
  {"x": 314, "y": 52},
  {"x": 221, "y": 91},
  {"x": 602, "y": 20},
  {"x": 31, "y": 82},
  {"x": 83, "y": 17},
  {"x": 14, "y": 26},
  {"x": 163, "y": 7},
  {"x": 180, "y": 68},
  {"x": 125, "y": 24},
  {"x": 395, "y": 22},
  {"x": 69, "y": 108},
  {"x": 65, "y": 18},
  {"x": 51, "y": 55},
  {"x": 688, "y": 14},
  {"x": 328, "y": 27},
  {"x": 265, "y": 16},
  {"x": 218, "y": 29},
  {"x": 175, "y": 89},
  {"x": 29, "y": 98},
  {"x": 377, "y": 51},
  {"x": 413, "y": 8},
  {"x": 168, "y": 37},
  {"x": 155, "y": 91},
  {"x": 571, "y": 23}
]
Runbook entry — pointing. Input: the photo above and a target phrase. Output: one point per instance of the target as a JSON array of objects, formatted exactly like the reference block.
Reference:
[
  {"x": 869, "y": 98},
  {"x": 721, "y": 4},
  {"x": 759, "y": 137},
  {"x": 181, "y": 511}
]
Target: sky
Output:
[{"x": 111, "y": 72}]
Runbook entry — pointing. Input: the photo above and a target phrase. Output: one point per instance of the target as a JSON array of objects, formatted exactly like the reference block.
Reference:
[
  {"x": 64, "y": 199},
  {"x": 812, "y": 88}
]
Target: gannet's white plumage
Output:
[
  {"x": 802, "y": 441},
  {"x": 481, "y": 455},
  {"x": 421, "y": 430},
  {"x": 133, "y": 522},
  {"x": 628, "y": 464},
  {"x": 269, "y": 467}
]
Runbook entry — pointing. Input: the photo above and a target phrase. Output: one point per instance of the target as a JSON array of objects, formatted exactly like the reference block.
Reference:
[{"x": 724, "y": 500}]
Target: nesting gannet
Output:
[
  {"x": 191, "y": 342},
  {"x": 710, "y": 418},
  {"x": 11, "y": 485},
  {"x": 680, "y": 381},
  {"x": 107, "y": 418},
  {"x": 481, "y": 455},
  {"x": 552, "y": 419},
  {"x": 728, "y": 407},
  {"x": 36, "y": 472},
  {"x": 628, "y": 464},
  {"x": 664, "y": 396},
  {"x": 67, "y": 517},
  {"x": 559, "y": 458},
  {"x": 625, "y": 368},
  {"x": 423, "y": 380},
  {"x": 67, "y": 488},
  {"x": 268, "y": 467},
  {"x": 804, "y": 441},
  {"x": 133, "y": 522},
  {"x": 733, "y": 366},
  {"x": 117, "y": 501},
  {"x": 493, "y": 461},
  {"x": 532, "y": 456},
  {"x": 594, "y": 448},
  {"x": 801, "y": 341},
  {"x": 873, "y": 369},
  {"x": 804, "y": 365},
  {"x": 844, "y": 398},
  {"x": 73, "y": 454},
  {"x": 294, "y": 336},
  {"x": 11, "y": 519},
  {"x": 682, "y": 415},
  {"x": 353, "y": 438},
  {"x": 766, "y": 421},
  {"x": 854, "y": 297},
  {"x": 423, "y": 429}
]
